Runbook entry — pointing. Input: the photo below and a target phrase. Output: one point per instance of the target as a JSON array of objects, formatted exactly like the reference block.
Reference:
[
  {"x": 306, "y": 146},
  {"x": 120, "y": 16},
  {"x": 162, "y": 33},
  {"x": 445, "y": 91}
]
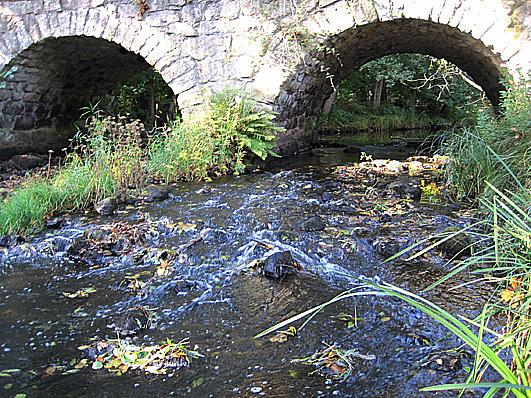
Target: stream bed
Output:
[{"x": 193, "y": 254}]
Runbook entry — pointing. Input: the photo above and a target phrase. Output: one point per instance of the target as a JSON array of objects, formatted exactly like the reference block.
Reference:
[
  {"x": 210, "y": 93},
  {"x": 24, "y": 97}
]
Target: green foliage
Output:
[
  {"x": 214, "y": 143},
  {"x": 110, "y": 158},
  {"x": 418, "y": 91},
  {"x": 496, "y": 149},
  {"x": 27, "y": 207},
  {"x": 388, "y": 117},
  {"x": 107, "y": 161},
  {"x": 146, "y": 97}
]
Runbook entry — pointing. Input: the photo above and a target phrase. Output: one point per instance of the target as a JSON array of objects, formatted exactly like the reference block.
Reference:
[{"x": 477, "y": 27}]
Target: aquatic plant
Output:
[{"x": 106, "y": 161}]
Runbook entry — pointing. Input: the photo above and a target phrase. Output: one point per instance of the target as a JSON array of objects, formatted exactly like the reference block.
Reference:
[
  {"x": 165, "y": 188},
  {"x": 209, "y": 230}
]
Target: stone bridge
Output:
[{"x": 289, "y": 56}]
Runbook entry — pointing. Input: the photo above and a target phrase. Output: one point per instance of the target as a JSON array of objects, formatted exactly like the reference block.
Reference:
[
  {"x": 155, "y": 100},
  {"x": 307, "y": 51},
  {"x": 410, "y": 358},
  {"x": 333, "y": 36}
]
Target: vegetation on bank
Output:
[
  {"x": 495, "y": 150},
  {"x": 489, "y": 166},
  {"x": 404, "y": 91},
  {"x": 114, "y": 156}
]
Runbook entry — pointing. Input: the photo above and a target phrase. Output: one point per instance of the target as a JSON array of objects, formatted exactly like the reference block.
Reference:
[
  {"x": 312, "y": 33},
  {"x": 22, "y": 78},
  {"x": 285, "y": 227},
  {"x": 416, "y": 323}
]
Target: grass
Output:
[
  {"x": 490, "y": 167},
  {"x": 496, "y": 149},
  {"x": 113, "y": 159},
  {"x": 384, "y": 119},
  {"x": 215, "y": 143},
  {"x": 104, "y": 163}
]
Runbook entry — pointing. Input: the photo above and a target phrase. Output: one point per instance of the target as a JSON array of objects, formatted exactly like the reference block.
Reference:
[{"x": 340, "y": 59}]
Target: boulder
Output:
[
  {"x": 27, "y": 162},
  {"x": 279, "y": 264},
  {"x": 156, "y": 193},
  {"x": 106, "y": 206}
]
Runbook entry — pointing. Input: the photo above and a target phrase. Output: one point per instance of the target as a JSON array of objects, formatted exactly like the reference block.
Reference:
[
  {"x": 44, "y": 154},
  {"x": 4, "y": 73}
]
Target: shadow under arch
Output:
[{"x": 51, "y": 80}]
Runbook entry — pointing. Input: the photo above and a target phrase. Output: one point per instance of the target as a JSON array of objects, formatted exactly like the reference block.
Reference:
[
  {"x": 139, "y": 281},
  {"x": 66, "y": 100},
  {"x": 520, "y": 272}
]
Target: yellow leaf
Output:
[{"x": 507, "y": 295}]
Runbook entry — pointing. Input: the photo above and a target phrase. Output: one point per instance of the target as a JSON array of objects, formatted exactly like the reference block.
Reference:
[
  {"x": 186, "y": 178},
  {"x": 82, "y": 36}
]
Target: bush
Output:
[
  {"x": 216, "y": 142},
  {"x": 496, "y": 149}
]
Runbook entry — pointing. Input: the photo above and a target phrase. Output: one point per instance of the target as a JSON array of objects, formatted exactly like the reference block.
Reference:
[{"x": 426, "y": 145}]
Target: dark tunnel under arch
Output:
[{"x": 52, "y": 80}]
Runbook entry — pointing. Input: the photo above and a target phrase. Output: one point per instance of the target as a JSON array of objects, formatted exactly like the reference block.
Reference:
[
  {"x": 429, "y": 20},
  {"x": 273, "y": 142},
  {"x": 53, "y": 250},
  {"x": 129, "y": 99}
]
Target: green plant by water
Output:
[
  {"x": 112, "y": 157},
  {"x": 216, "y": 142}
]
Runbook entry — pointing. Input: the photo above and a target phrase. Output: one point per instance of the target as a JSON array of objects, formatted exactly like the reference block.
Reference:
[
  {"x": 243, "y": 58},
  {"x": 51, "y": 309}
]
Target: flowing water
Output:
[{"x": 337, "y": 225}]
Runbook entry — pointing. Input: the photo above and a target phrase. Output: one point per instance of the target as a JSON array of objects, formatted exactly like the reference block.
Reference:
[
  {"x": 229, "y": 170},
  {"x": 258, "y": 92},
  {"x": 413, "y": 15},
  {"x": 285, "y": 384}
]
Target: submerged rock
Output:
[
  {"x": 54, "y": 223},
  {"x": 27, "y": 162},
  {"x": 97, "y": 233},
  {"x": 352, "y": 149},
  {"x": 133, "y": 321},
  {"x": 10, "y": 240},
  {"x": 313, "y": 224},
  {"x": 457, "y": 246},
  {"x": 279, "y": 264},
  {"x": 407, "y": 189},
  {"x": 106, "y": 206}
]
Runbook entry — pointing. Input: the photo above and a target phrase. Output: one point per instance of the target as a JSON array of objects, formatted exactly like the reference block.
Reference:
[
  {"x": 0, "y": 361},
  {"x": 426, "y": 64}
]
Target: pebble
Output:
[{"x": 256, "y": 390}]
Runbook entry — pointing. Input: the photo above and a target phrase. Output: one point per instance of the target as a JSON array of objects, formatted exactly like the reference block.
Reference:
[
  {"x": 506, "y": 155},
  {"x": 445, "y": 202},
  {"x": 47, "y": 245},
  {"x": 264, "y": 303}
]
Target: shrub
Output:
[
  {"x": 496, "y": 149},
  {"x": 216, "y": 142}
]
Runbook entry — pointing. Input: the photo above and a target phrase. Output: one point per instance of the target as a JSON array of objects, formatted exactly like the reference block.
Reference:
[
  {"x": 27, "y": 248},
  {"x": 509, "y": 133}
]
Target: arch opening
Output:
[
  {"x": 402, "y": 92},
  {"x": 303, "y": 96},
  {"x": 50, "y": 83}
]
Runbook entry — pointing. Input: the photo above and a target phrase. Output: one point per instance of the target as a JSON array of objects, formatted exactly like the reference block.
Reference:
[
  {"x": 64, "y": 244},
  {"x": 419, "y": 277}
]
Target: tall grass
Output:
[
  {"x": 107, "y": 161},
  {"x": 113, "y": 157},
  {"x": 496, "y": 149}
]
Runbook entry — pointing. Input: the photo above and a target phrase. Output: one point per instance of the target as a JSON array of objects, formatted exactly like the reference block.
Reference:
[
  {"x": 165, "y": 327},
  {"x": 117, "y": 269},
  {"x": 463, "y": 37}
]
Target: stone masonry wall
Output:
[{"x": 289, "y": 56}]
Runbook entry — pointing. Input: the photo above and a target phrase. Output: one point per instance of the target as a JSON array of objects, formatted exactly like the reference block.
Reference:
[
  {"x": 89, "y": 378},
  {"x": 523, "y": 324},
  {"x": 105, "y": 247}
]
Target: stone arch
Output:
[
  {"x": 477, "y": 37},
  {"x": 61, "y": 60}
]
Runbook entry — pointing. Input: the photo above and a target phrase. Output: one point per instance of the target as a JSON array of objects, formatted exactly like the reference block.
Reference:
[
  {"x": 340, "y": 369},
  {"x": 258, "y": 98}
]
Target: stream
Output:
[{"x": 338, "y": 218}]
